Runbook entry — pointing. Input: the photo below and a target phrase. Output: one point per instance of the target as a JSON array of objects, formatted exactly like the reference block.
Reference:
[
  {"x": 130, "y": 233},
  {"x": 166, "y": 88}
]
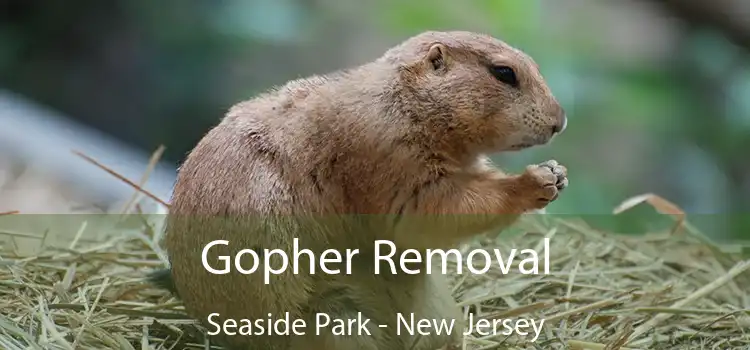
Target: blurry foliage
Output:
[{"x": 677, "y": 129}]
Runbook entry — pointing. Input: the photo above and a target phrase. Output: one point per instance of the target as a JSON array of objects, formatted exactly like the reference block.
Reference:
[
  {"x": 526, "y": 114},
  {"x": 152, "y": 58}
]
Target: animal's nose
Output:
[{"x": 561, "y": 124}]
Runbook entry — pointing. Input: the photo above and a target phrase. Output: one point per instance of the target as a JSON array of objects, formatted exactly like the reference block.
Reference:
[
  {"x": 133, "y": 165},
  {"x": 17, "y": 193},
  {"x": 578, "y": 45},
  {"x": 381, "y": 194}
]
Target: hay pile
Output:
[{"x": 661, "y": 291}]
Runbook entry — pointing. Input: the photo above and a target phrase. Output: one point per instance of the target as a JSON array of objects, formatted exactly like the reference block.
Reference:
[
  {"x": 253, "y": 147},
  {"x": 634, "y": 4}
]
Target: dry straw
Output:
[{"x": 671, "y": 290}]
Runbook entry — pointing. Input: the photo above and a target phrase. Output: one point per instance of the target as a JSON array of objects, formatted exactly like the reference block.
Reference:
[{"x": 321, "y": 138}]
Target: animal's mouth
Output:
[
  {"x": 529, "y": 142},
  {"x": 520, "y": 146}
]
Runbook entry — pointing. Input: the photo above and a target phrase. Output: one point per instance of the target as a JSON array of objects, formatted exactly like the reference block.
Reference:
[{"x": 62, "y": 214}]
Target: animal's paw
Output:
[{"x": 543, "y": 183}]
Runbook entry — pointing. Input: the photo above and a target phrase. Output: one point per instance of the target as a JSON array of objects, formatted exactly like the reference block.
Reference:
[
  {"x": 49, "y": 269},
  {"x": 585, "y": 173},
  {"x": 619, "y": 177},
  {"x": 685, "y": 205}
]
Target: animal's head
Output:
[{"x": 477, "y": 90}]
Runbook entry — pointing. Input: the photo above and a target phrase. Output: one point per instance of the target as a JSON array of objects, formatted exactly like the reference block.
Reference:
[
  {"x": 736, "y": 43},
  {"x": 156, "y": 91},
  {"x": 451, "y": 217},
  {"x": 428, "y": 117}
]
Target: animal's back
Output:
[
  {"x": 264, "y": 176},
  {"x": 233, "y": 187}
]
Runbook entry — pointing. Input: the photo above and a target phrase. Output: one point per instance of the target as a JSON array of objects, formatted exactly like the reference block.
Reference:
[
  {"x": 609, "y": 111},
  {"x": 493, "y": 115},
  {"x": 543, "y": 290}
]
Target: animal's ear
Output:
[{"x": 437, "y": 56}]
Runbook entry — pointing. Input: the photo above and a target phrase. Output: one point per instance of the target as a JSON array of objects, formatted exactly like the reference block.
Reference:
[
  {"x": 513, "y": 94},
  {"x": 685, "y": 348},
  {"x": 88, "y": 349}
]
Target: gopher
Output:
[{"x": 395, "y": 149}]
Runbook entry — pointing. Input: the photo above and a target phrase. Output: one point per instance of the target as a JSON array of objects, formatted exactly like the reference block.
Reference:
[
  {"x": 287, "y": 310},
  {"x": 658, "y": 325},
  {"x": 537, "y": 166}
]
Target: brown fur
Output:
[{"x": 402, "y": 136}]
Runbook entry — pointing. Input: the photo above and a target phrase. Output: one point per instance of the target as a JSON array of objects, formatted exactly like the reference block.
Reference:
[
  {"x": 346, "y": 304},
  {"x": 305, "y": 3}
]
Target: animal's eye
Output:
[{"x": 505, "y": 74}]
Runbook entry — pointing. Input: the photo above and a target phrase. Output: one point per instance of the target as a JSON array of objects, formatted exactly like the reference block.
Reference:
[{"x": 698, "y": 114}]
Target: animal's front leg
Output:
[{"x": 461, "y": 205}]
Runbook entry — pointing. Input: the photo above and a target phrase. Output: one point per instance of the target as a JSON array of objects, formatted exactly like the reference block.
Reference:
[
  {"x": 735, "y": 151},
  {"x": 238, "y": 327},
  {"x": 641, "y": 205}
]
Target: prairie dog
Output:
[{"x": 395, "y": 149}]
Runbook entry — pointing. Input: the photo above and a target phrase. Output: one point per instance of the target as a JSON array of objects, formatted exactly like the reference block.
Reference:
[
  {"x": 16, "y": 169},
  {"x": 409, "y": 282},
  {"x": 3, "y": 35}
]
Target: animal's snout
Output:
[{"x": 562, "y": 122}]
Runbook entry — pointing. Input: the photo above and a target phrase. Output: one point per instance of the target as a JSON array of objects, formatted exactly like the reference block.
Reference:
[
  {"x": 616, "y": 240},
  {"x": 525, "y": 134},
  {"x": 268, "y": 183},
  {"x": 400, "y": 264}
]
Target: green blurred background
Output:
[{"x": 657, "y": 92}]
